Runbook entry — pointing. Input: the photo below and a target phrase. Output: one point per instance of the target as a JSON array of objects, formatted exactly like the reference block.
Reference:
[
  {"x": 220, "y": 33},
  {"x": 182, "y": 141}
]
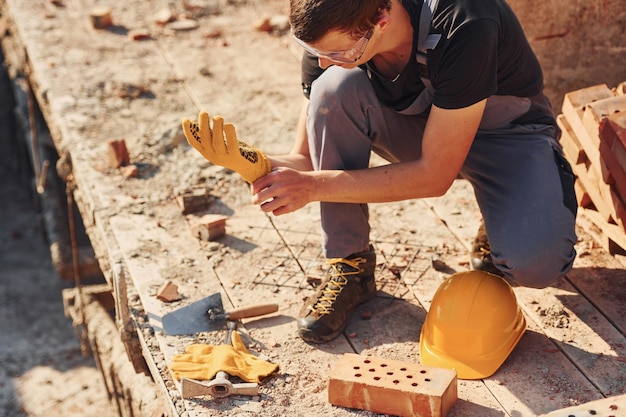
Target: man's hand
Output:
[
  {"x": 283, "y": 191},
  {"x": 221, "y": 146}
]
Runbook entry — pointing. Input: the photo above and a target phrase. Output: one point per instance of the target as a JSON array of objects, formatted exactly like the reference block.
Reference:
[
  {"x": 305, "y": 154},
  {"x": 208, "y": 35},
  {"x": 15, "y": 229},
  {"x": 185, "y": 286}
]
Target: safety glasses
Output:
[{"x": 344, "y": 57}]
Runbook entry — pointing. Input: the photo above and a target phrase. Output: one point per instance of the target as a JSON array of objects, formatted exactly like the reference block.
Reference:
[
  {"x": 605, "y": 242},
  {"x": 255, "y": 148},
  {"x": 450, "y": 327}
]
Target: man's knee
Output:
[
  {"x": 538, "y": 270},
  {"x": 337, "y": 83}
]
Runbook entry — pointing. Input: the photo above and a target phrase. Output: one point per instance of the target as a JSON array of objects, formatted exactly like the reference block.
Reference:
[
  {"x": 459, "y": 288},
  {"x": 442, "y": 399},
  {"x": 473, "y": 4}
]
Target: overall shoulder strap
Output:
[{"x": 425, "y": 39}]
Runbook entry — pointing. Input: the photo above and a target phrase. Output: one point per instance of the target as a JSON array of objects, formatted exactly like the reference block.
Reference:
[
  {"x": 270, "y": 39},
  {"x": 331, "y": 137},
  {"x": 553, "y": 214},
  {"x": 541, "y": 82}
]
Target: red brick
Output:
[
  {"x": 615, "y": 170},
  {"x": 129, "y": 171},
  {"x": 101, "y": 17},
  {"x": 139, "y": 34},
  {"x": 194, "y": 200},
  {"x": 595, "y": 112},
  {"x": 208, "y": 227},
  {"x": 611, "y": 237},
  {"x": 168, "y": 292},
  {"x": 391, "y": 387},
  {"x": 613, "y": 129},
  {"x": 117, "y": 153}
]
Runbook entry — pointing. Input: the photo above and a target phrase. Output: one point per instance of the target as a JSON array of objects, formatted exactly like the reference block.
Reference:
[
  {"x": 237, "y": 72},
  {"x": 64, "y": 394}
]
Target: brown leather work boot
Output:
[
  {"x": 348, "y": 283},
  {"x": 480, "y": 259}
]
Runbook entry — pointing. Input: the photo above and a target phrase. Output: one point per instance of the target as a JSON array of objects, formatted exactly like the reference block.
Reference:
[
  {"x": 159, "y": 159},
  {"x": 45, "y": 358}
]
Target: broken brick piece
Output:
[
  {"x": 313, "y": 281},
  {"x": 138, "y": 34},
  {"x": 101, "y": 17},
  {"x": 209, "y": 227},
  {"x": 163, "y": 17},
  {"x": 263, "y": 25},
  {"x": 192, "y": 201},
  {"x": 391, "y": 387},
  {"x": 613, "y": 129},
  {"x": 129, "y": 171},
  {"x": 117, "y": 153},
  {"x": 168, "y": 292}
]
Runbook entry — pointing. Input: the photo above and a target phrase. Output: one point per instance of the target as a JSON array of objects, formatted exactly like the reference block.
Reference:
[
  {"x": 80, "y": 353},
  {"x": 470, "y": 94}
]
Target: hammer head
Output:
[{"x": 219, "y": 387}]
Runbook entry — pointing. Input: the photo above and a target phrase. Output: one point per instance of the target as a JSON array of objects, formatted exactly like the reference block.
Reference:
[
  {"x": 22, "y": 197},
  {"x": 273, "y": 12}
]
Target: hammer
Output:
[{"x": 220, "y": 386}]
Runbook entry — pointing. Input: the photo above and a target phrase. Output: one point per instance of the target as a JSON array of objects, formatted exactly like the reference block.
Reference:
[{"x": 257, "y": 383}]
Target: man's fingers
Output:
[
  {"x": 232, "y": 143},
  {"x": 190, "y": 130},
  {"x": 203, "y": 123},
  {"x": 217, "y": 139}
]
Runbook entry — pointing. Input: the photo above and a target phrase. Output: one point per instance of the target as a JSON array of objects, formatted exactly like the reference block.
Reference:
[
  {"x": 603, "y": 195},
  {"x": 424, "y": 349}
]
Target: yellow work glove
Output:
[
  {"x": 221, "y": 146},
  {"x": 203, "y": 362}
]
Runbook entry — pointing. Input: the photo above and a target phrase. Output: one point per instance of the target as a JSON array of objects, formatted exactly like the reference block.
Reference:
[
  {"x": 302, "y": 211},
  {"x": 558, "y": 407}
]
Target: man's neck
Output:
[{"x": 396, "y": 43}]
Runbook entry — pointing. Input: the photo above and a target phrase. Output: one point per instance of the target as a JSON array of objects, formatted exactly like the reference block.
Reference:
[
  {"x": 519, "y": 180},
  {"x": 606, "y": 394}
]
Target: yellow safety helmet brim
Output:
[{"x": 472, "y": 326}]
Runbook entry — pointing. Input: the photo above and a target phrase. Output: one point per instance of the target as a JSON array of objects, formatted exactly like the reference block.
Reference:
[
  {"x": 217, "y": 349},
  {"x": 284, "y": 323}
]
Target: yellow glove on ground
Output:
[
  {"x": 203, "y": 362},
  {"x": 221, "y": 146}
]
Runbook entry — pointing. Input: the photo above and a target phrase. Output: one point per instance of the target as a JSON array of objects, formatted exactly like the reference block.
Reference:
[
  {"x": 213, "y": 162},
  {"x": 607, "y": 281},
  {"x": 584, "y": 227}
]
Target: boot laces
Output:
[
  {"x": 337, "y": 281},
  {"x": 485, "y": 250}
]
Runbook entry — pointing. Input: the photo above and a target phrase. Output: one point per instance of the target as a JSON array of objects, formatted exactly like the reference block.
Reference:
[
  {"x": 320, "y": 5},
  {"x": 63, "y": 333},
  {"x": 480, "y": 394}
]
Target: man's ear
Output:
[{"x": 384, "y": 21}]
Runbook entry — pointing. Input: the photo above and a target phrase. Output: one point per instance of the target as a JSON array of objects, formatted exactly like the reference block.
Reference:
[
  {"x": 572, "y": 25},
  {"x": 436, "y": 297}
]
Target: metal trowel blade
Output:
[{"x": 193, "y": 318}]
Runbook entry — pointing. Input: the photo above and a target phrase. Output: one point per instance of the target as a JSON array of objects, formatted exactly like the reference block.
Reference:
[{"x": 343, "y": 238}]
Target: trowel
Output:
[{"x": 208, "y": 314}]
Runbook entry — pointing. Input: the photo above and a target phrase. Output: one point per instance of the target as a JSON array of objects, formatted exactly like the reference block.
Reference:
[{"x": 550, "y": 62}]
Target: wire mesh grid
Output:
[{"x": 293, "y": 259}]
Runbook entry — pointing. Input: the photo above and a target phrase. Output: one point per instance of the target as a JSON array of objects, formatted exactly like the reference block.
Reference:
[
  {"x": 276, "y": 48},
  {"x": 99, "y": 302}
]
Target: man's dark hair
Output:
[{"x": 312, "y": 19}]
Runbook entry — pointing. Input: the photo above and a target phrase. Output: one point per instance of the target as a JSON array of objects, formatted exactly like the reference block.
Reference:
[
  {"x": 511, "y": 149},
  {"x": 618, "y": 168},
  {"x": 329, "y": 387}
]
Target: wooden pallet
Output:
[{"x": 593, "y": 125}]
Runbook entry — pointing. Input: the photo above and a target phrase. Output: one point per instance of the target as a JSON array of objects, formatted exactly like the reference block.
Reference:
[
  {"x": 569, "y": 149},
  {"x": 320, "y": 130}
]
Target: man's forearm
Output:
[{"x": 298, "y": 162}]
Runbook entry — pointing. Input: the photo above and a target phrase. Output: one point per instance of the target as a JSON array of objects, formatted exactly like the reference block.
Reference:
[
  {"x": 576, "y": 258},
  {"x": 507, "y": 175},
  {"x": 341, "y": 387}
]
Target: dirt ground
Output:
[{"x": 42, "y": 370}]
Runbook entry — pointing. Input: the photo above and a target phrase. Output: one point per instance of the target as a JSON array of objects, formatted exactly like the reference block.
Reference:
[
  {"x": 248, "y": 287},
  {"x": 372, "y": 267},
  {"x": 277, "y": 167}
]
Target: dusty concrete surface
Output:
[
  {"x": 420, "y": 242},
  {"x": 42, "y": 370}
]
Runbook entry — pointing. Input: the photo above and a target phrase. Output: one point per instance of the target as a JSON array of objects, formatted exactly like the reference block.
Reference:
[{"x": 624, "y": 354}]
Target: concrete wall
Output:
[{"x": 579, "y": 42}]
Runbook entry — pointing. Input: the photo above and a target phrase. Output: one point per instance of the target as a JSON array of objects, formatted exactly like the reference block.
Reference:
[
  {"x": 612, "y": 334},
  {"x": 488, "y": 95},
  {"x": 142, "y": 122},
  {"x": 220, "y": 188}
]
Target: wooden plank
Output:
[
  {"x": 459, "y": 210},
  {"x": 605, "y": 407},
  {"x": 596, "y": 111},
  {"x": 591, "y": 342},
  {"x": 550, "y": 379},
  {"x": 572, "y": 145},
  {"x": 597, "y": 189},
  {"x": 574, "y": 104},
  {"x": 611, "y": 233},
  {"x": 602, "y": 283}
]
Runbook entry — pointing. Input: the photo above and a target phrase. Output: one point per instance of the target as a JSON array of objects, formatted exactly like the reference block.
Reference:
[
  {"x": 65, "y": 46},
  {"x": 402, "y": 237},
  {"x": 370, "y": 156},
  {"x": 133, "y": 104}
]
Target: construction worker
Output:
[{"x": 440, "y": 89}]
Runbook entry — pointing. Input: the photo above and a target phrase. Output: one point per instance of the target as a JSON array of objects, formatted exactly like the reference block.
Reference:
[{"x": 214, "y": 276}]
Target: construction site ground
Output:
[{"x": 94, "y": 86}]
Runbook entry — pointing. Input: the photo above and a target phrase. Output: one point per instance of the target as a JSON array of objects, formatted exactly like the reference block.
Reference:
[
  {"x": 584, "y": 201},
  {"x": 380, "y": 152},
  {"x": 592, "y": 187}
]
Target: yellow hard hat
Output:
[{"x": 473, "y": 324}]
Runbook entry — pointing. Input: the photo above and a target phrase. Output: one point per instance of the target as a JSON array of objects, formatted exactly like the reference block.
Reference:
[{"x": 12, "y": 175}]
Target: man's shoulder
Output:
[{"x": 457, "y": 13}]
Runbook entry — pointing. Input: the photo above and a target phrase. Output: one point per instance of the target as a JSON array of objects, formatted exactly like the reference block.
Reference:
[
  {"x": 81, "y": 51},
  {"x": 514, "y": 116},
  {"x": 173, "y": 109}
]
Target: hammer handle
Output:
[{"x": 251, "y": 311}]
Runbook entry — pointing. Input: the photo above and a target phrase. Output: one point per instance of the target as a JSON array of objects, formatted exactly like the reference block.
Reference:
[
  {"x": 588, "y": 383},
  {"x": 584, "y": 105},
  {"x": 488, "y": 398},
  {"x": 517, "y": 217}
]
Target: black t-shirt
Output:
[{"x": 482, "y": 51}]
